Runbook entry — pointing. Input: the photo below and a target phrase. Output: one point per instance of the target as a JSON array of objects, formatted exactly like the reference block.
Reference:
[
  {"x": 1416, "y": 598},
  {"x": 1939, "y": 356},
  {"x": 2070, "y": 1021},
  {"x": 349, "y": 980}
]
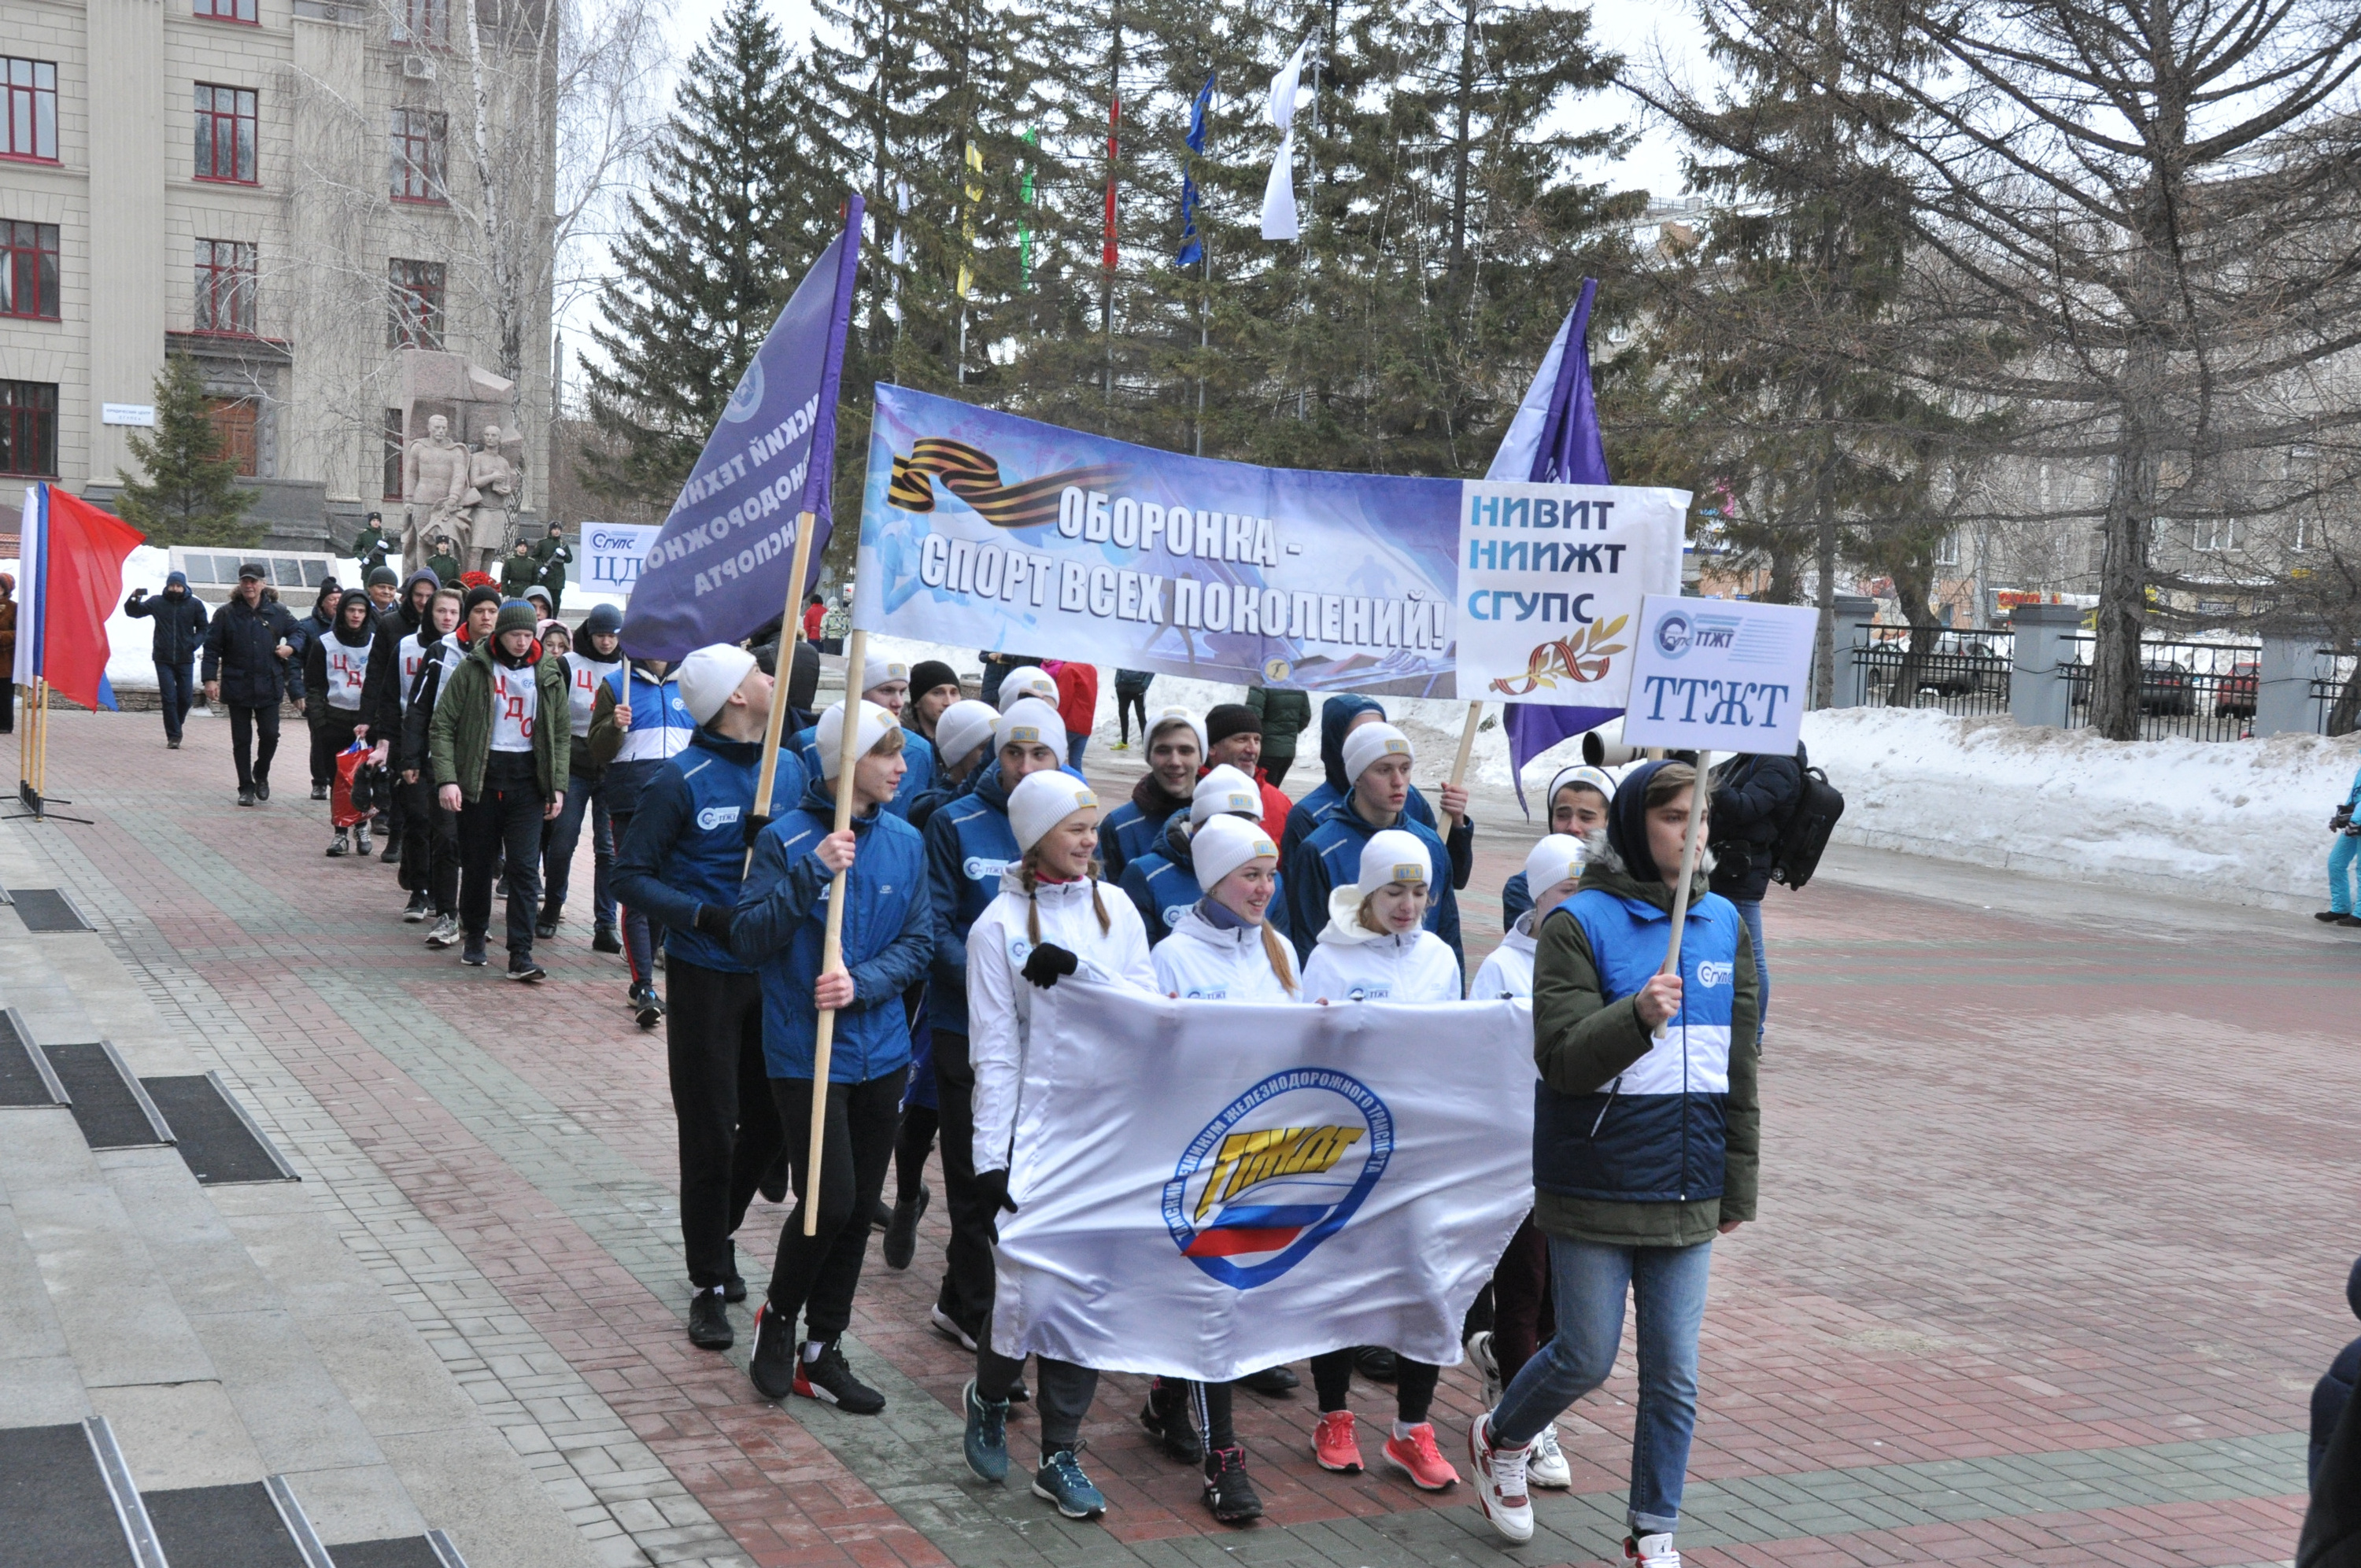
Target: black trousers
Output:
[
  {"x": 1061, "y": 1391},
  {"x": 1331, "y": 1379},
  {"x": 245, "y": 725},
  {"x": 176, "y": 684},
  {"x": 331, "y": 734},
  {"x": 721, "y": 1103},
  {"x": 429, "y": 847},
  {"x": 1274, "y": 769},
  {"x": 817, "y": 1275},
  {"x": 501, "y": 819},
  {"x": 966, "y": 1294},
  {"x": 910, "y": 1150},
  {"x": 7, "y": 705}
]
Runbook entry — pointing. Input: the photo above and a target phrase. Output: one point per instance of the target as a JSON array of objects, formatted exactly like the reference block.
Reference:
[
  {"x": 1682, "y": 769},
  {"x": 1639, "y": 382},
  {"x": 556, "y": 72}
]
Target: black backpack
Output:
[{"x": 1805, "y": 834}]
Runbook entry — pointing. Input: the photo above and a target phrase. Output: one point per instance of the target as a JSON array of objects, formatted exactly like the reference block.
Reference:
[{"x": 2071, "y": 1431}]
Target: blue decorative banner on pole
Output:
[
  {"x": 718, "y": 568},
  {"x": 1192, "y": 249}
]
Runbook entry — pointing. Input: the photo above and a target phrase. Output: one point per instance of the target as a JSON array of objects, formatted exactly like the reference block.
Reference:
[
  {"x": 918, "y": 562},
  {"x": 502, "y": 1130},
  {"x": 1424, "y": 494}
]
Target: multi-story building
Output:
[{"x": 293, "y": 192}]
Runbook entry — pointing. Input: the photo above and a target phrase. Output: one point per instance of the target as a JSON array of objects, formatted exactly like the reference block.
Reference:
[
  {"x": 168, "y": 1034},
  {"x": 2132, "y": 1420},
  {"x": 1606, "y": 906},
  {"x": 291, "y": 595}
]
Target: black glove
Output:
[
  {"x": 755, "y": 824},
  {"x": 1044, "y": 964},
  {"x": 716, "y": 921},
  {"x": 992, "y": 1193}
]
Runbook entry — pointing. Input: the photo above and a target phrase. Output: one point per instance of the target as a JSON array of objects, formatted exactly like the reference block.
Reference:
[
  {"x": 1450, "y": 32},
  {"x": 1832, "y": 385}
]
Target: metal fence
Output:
[
  {"x": 2203, "y": 690},
  {"x": 1966, "y": 673},
  {"x": 2331, "y": 673}
]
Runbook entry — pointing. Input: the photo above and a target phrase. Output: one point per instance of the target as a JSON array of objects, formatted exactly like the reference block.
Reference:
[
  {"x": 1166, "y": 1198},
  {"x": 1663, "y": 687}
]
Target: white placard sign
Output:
[
  {"x": 612, "y": 554},
  {"x": 1551, "y": 578},
  {"x": 1719, "y": 675},
  {"x": 140, "y": 414}
]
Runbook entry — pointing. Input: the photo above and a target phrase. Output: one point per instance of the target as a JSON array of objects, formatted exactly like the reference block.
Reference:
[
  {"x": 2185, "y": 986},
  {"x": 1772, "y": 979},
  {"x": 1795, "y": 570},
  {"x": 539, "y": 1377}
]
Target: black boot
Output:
[
  {"x": 1227, "y": 1491},
  {"x": 902, "y": 1235},
  {"x": 1166, "y": 1416}
]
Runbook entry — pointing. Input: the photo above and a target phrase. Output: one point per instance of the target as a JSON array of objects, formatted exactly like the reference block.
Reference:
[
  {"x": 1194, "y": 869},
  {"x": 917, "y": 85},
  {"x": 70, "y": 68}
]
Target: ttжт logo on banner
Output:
[
  {"x": 1283, "y": 1167},
  {"x": 1678, "y": 633}
]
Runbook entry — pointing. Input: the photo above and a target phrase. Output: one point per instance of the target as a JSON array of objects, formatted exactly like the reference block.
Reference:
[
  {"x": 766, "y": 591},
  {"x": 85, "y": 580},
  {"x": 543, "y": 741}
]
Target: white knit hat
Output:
[
  {"x": 1024, "y": 681},
  {"x": 1393, "y": 856},
  {"x": 964, "y": 726},
  {"x": 1555, "y": 859},
  {"x": 1040, "y": 801},
  {"x": 881, "y": 674},
  {"x": 1224, "y": 790},
  {"x": 1591, "y": 778},
  {"x": 1031, "y": 721},
  {"x": 828, "y": 737},
  {"x": 1369, "y": 742},
  {"x": 1224, "y": 843},
  {"x": 709, "y": 676},
  {"x": 1176, "y": 715}
]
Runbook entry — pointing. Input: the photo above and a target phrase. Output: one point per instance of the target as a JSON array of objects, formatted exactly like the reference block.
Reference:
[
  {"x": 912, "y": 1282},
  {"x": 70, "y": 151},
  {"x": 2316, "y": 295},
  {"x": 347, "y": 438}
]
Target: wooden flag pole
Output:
[
  {"x": 833, "y": 947},
  {"x": 791, "y": 632},
  {"x": 1467, "y": 747},
  {"x": 1689, "y": 869}
]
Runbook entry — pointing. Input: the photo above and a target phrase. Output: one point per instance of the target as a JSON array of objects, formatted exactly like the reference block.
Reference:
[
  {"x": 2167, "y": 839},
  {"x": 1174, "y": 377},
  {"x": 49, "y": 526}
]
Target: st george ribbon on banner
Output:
[
  {"x": 987, "y": 531},
  {"x": 1204, "y": 1189},
  {"x": 718, "y": 568}
]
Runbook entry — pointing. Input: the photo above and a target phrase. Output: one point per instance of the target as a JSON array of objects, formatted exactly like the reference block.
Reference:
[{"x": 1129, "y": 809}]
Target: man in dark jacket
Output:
[
  {"x": 309, "y": 630},
  {"x": 387, "y": 691},
  {"x": 246, "y": 662},
  {"x": 1752, "y": 800},
  {"x": 1285, "y": 714},
  {"x": 370, "y": 545},
  {"x": 519, "y": 571},
  {"x": 179, "y": 617}
]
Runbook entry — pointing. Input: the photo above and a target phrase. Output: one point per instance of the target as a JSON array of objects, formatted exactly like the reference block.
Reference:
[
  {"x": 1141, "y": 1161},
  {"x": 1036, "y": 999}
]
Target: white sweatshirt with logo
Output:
[
  {"x": 1202, "y": 961},
  {"x": 1509, "y": 971},
  {"x": 1352, "y": 963}
]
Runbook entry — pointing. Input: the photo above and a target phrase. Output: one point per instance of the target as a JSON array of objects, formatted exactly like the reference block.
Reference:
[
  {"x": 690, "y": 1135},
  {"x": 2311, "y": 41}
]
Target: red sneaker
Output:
[
  {"x": 1334, "y": 1445},
  {"x": 1417, "y": 1457}
]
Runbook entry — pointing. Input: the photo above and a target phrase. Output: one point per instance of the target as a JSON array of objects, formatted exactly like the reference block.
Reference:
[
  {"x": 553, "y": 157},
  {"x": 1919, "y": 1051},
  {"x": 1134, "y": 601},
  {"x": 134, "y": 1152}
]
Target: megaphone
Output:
[{"x": 1604, "y": 747}]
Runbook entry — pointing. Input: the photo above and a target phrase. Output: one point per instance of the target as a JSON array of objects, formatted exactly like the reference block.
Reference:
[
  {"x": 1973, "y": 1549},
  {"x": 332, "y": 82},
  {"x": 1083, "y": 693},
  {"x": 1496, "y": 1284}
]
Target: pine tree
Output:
[
  {"x": 743, "y": 198},
  {"x": 191, "y": 495}
]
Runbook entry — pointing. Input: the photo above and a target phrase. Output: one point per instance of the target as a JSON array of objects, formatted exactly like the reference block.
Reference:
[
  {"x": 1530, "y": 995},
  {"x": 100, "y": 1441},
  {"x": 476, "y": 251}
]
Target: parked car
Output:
[
  {"x": 2235, "y": 695},
  {"x": 1954, "y": 667},
  {"x": 2166, "y": 687}
]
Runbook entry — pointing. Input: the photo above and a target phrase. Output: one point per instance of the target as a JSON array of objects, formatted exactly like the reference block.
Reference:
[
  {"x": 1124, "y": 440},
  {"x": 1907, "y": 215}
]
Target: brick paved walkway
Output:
[{"x": 2057, "y": 1215}]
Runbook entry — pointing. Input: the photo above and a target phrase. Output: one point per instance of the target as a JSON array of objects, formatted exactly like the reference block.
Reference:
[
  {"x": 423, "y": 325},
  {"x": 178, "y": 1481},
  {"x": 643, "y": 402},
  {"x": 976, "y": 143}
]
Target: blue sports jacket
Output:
[
  {"x": 969, "y": 843},
  {"x": 1162, "y": 883},
  {"x": 687, "y": 846},
  {"x": 918, "y": 778}
]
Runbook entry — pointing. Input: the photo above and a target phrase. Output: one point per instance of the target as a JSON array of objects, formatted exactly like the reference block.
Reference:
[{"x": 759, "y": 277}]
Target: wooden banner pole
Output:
[
  {"x": 1688, "y": 869},
  {"x": 1467, "y": 747},
  {"x": 791, "y": 632},
  {"x": 833, "y": 947}
]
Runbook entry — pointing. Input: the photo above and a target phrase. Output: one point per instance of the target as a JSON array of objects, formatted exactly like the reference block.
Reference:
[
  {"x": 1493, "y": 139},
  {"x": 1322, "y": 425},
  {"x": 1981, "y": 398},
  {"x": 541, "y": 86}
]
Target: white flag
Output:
[
  {"x": 1279, "y": 191},
  {"x": 1205, "y": 1189}
]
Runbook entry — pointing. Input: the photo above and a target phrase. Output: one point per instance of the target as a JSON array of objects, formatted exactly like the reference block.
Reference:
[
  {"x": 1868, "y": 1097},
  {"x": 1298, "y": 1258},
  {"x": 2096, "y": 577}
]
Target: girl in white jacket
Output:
[
  {"x": 1053, "y": 918},
  {"x": 1222, "y": 949},
  {"x": 1375, "y": 950}
]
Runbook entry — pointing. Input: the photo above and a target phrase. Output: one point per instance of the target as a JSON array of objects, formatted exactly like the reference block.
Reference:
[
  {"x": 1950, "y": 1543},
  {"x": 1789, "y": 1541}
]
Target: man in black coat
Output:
[
  {"x": 1752, "y": 798},
  {"x": 179, "y": 617},
  {"x": 245, "y": 661},
  {"x": 388, "y": 683}
]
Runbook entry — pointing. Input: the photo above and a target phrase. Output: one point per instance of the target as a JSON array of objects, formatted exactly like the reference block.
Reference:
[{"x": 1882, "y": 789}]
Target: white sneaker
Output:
[
  {"x": 1545, "y": 1466},
  {"x": 445, "y": 932},
  {"x": 941, "y": 1322},
  {"x": 1480, "y": 1357},
  {"x": 1651, "y": 1551},
  {"x": 1501, "y": 1482}
]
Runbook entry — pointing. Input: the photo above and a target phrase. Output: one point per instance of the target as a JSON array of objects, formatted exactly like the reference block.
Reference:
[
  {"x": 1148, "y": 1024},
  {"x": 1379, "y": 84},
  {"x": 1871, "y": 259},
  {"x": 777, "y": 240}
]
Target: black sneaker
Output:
[
  {"x": 472, "y": 952},
  {"x": 262, "y": 789},
  {"x": 1227, "y": 1491},
  {"x": 825, "y": 1376},
  {"x": 1274, "y": 1381},
  {"x": 734, "y": 1287},
  {"x": 546, "y": 926},
  {"x": 246, "y": 797},
  {"x": 773, "y": 1185},
  {"x": 1376, "y": 1363},
  {"x": 319, "y": 792},
  {"x": 605, "y": 941},
  {"x": 708, "y": 1321},
  {"x": 646, "y": 1010},
  {"x": 415, "y": 910},
  {"x": 772, "y": 1364},
  {"x": 391, "y": 854},
  {"x": 2329, "y": 916},
  {"x": 1166, "y": 1417},
  {"x": 902, "y": 1235},
  {"x": 881, "y": 1218},
  {"x": 521, "y": 967}
]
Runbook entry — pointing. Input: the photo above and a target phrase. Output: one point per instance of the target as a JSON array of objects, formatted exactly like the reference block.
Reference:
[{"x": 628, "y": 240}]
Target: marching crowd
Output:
[{"x": 980, "y": 869}]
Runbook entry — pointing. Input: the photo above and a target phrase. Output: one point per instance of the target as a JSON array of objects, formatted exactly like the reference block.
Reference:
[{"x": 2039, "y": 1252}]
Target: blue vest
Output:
[
  {"x": 708, "y": 860},
  {"x": 661, "y": 728},
  {"x": 1660, "y": 1131}
]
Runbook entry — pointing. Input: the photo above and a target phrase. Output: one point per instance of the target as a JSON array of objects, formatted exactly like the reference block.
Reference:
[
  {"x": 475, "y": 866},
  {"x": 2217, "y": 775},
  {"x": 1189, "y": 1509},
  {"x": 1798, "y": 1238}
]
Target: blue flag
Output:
[
  {"x": 1192, "y": 249},
  {"x": 718, "y": 568}
]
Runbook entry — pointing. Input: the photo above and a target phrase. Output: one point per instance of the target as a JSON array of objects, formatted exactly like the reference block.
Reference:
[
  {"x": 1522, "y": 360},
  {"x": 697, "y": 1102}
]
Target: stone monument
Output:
[{"x": 462, "y": 459}]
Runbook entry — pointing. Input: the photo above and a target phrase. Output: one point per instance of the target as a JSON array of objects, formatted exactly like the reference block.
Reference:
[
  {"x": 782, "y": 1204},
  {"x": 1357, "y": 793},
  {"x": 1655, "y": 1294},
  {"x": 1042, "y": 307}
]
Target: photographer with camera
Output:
[{"x": 2344, "y": 852}]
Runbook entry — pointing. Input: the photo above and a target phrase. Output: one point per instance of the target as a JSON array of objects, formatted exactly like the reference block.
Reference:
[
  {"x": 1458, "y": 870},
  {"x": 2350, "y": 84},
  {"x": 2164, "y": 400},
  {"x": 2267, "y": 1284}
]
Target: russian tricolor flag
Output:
[{"x": 70, "y": 575}]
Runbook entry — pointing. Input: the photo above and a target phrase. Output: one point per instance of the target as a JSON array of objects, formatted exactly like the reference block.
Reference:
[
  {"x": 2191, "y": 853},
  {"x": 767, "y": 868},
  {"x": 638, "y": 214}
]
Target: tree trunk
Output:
[
  {"x": 1825, "y": 651},
  {"x": 1913, "y": 583},
  {"x": 2344, "y": 713},
  {"x": 1463, "y": 152}
]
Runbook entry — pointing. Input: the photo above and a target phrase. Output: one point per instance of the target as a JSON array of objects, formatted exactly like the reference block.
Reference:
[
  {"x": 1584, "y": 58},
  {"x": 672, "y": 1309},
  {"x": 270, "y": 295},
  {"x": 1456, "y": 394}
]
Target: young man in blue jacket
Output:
[
  {"x": 638, "y": 723},
  {"x": 681, "y": 865},
  {"x": 1375, "y": 762},
  {"x": 886, "y": 927},
  {"x": 1339, "y": 716}
]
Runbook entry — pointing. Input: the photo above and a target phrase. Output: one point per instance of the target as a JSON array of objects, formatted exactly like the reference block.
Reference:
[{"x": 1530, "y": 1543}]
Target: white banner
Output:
[
  {"x": 1721, "y": 675},
  {"x": 1551, "y": 578},
  {"x": 612, "y": 554},
  {"x": 1209, "y": 1188}
]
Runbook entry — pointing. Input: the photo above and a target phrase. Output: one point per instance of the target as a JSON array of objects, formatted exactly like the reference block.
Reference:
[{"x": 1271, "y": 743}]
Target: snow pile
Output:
[{"x": 2239, "y": 821}]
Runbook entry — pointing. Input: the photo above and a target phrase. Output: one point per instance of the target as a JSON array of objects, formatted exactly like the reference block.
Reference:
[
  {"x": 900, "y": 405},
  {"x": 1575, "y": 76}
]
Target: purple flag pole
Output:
[{"x": 1565, "y": 449}]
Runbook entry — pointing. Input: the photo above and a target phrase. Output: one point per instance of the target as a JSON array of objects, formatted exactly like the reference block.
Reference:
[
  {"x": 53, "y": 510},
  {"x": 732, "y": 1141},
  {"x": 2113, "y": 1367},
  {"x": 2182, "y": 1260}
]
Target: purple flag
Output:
[
  {"x": 1554, "y": 441},
  {"x": 718, "y": 568}
]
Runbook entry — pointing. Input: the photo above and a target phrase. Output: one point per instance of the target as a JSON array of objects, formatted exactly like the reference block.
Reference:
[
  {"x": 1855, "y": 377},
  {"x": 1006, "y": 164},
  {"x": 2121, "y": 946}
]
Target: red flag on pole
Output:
[{"x": 73, "y": 557}]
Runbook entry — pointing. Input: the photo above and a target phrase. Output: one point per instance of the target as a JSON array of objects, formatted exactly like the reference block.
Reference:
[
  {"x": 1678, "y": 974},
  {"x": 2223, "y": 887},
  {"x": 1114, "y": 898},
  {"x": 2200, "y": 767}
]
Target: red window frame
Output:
[
  {"x": 225, "y": 298},
  {"x": 239, "y": 11},
  {"x": 417, "y": 148},
  {"x": 29, "y": 270},
  {"x": 415, "y": 316},
  {"x": 424, "y": 23},
  {"x": 28, "y": 428},
  {"x": 29, "y": 128},
  {"x": 228, "y": 119}
]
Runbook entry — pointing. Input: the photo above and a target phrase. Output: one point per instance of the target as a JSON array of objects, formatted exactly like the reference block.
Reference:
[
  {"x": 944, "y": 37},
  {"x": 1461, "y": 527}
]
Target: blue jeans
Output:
[
  {"x": 176, "y": 684},
  {"x": 1590, "y": 1280},
  {"x": 1076, "y": 740},
  {"x": 558, "y": 843},
  {"x": 1750, "y": 910},
  {"x": 2343, "y": 851}
]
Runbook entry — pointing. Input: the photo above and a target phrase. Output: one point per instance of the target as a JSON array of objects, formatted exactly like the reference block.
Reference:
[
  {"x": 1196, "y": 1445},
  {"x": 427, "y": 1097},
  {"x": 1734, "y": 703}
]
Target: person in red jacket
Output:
[
  {"x": 1078, "y": 705},
  {"x": 1234, "y": 735},
  {"x": 815, "y": 611}
]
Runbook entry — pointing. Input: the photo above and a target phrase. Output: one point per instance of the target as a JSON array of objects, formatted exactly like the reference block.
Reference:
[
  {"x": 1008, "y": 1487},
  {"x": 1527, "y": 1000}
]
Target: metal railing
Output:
[
  {"x": 2203, "y": 690},
  {"x": 2331, "y": 673},
  {"x": 1965, "y": 672}
]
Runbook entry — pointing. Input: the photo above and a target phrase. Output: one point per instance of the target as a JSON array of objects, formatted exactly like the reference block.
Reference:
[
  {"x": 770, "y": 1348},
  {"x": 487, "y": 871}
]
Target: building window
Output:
[
  {"x": 28, "y": 427},
  {"x": 2219, "y": 533},
  {"x": 233, "y": 420},
  {"x": 417, "y": 155},
  {"x": 29, "y": 270},
  {"x": 32, "y": 125},
  {"x": 226, "y": 10},
  {"x": 416, "y": 318},
  {"x": 224, "y": 300},
  {"x": 226, "y": 126},
  {"x": 421, "y": 22},
  {"x": 1947, "y": 553},
  {"x": 393, "y": 449}
]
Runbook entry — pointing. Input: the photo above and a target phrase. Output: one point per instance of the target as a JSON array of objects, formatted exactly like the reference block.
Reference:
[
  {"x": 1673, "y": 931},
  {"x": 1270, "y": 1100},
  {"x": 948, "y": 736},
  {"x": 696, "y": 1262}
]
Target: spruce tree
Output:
[
  {"x": 191, "y": 495},
  {"x": 742, "y": 199}
]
